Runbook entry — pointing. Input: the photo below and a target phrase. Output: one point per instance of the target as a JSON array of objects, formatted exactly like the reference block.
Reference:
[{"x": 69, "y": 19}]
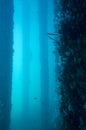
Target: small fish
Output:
[
  {"x": 35, "y": 98},
  {"x": 43, "y": 102}
]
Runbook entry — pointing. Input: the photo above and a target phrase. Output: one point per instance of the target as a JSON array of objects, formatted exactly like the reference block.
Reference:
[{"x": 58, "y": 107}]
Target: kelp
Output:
[{"x": 72, "y": 49}]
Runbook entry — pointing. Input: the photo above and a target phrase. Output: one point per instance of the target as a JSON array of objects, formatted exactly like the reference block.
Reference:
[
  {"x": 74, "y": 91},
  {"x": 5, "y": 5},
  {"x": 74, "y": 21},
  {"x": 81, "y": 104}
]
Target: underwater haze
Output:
[{"x": 33, "y": 83}]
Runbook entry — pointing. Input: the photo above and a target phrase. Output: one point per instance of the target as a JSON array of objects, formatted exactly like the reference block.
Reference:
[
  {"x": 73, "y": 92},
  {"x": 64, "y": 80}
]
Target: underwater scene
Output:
[{"x": 42, "y": 64}]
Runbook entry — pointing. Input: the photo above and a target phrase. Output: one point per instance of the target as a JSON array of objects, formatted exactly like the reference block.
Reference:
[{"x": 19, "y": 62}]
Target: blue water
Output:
[{"x": 30, "y": 118}]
